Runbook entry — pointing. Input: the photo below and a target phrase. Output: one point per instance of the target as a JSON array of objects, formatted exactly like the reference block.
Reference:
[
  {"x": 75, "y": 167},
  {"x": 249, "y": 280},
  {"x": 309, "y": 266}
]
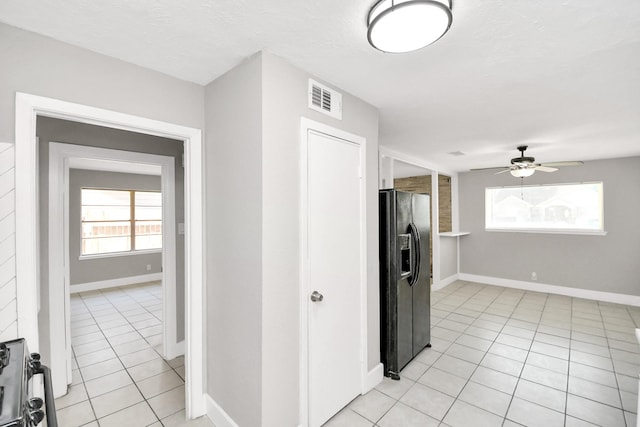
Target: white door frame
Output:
[
  {"x": 28, "y": 107},
  {"x": 307, "y": 125},
  {"x": 60, "y": 158}
]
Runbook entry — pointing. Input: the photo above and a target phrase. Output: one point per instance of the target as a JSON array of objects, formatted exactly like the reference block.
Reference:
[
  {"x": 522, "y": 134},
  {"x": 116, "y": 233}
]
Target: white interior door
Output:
[{"x": 334, "y": 271}]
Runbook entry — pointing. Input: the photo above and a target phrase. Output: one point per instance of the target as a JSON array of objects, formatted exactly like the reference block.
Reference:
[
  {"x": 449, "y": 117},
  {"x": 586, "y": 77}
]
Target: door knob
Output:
[{"x": 316, "y": 296}]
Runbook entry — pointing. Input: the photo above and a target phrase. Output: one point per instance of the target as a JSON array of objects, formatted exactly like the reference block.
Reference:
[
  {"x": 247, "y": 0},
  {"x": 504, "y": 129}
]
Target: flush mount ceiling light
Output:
[{"x": 398, "y": 26}]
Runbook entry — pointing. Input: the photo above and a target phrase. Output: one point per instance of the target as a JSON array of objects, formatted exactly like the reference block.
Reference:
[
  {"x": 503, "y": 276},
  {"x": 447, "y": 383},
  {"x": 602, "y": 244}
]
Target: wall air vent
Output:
[{"x": 325, "y": 100}]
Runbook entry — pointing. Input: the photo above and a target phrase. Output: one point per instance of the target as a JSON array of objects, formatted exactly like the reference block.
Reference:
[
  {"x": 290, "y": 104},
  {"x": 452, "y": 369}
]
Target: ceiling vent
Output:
[{"x": 325, "y": 100}]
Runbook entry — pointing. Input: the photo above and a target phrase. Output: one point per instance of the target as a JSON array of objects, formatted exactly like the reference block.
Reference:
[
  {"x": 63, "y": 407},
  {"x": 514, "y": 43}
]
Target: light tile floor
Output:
[
  {"x": 119, "y": 377},
  {"x": 505, "y": 357}
]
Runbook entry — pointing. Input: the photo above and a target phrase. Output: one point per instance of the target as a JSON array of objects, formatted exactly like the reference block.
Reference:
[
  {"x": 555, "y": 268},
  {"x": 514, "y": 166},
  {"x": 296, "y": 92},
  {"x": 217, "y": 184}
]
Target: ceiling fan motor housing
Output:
[{"x": 518, "y": 160}]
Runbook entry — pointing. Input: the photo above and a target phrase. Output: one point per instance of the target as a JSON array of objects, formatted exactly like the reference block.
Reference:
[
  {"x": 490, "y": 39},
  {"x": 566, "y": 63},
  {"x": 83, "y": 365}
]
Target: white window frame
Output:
[{"x": 575, "y": 231}]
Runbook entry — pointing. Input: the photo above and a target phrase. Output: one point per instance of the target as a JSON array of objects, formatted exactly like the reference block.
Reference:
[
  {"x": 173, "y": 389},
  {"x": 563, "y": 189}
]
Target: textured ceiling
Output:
[{"x": 562, "y": 76}]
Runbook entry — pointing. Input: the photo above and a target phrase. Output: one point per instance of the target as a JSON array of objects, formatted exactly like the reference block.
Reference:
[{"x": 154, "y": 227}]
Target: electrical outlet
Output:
[
  {"x": 534, "y": 275},
  {"x": 148, "y": 267}
]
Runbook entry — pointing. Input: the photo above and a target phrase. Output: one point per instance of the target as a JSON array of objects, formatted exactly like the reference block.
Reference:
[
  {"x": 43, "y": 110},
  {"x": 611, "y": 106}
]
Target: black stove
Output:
[{"x": 18, "y": 406}]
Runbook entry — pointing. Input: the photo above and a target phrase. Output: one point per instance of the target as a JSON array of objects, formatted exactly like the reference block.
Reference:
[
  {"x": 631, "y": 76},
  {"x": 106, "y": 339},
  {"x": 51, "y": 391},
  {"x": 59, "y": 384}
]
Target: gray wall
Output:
[
  {"x": 234, "y": 158},
  {"x": 42, "y": 66},
  {"x": 253, "y": 125},
  {"x": 285, "y": 91},
  {"x": 57, "y": 130},
  {"x": 233, "y": 155},
  {"x": 111, "y": 267},
  {"x": 448, "y": 256},
  {"x": 601, "y": 263}
]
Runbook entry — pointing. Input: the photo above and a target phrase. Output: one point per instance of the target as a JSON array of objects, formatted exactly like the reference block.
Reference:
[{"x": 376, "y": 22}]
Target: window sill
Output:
[
  {"x": 532, "y": 231},
  {"x": 119, "y": 254}
]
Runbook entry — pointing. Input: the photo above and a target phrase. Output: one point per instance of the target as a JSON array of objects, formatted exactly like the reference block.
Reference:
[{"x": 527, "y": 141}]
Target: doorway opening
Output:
[
  {"x": 69, "y": 263},
  {"x": 28, "y": 109}
]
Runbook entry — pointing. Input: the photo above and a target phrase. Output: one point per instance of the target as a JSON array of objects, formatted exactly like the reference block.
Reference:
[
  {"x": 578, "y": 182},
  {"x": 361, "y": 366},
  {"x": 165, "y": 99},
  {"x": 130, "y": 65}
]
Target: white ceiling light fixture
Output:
[
  {"x": 399, "y": 26},
  {"x": 522, "y": 172}
]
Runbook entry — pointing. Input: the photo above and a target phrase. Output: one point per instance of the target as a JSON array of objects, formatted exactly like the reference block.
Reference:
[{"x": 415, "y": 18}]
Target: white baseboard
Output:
[
  {"x": 553, "y": 289},
  {"x": 444, "y": 282},
  {"x": 373, "y": 378},
  {"x": 114, "y": 283},
  {"x": 216, "y": 414}
]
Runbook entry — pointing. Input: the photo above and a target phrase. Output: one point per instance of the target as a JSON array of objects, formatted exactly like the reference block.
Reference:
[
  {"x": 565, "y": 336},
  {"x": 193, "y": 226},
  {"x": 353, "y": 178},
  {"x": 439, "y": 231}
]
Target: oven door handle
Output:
[{"x": 49, "y": 401}]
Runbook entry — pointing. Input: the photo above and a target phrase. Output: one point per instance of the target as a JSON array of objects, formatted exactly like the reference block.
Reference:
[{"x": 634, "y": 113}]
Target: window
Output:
[
  {"x": 546, "y": 208},
  {"x": 120, "y": 221},
  {"x": 148, "y": 220}
]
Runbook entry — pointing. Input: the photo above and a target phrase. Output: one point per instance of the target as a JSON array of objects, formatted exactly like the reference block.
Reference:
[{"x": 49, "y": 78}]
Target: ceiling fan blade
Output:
[
  {"x": 506, "y": 170},
  {"x": 556, "y": 164},
  {"x": 492, "y": 168},
  {"x": 542, "y": 168}
]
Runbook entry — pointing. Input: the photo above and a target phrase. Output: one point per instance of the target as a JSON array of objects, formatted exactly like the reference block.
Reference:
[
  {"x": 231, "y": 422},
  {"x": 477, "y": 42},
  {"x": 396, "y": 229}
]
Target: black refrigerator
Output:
[{"x": 405, "y": 278}]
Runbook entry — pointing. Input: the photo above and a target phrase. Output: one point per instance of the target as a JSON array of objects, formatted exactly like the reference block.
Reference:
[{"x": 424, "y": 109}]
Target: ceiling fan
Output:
[{"x": 523, "y": 166}]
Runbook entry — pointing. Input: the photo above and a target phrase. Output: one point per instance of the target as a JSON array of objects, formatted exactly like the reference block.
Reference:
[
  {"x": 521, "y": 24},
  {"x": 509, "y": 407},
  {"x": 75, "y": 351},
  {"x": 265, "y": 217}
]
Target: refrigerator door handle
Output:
[{"x": 417, "y": 255}]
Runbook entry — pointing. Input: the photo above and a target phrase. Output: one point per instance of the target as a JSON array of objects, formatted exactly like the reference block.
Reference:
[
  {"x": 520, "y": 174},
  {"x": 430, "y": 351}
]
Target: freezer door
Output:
[{"x": 404, "y": 309}]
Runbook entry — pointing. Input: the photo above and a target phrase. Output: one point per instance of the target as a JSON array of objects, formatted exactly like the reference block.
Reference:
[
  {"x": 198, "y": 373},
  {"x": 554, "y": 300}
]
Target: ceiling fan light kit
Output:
[
  {"x": 522, "y": 172},
  {"x": 400, "y": 26}
]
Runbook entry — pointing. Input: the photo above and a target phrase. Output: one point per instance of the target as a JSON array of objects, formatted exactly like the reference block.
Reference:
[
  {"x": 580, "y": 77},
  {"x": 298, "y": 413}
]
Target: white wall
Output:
[
  {"x": 597, "y": 263},
  {"x": 42, "y": 66},
  {"x": 8, "y": 324}
]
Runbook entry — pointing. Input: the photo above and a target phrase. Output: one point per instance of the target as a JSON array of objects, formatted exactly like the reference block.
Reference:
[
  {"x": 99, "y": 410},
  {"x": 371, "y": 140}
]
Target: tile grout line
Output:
[{"x": 566, "y": 396}]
